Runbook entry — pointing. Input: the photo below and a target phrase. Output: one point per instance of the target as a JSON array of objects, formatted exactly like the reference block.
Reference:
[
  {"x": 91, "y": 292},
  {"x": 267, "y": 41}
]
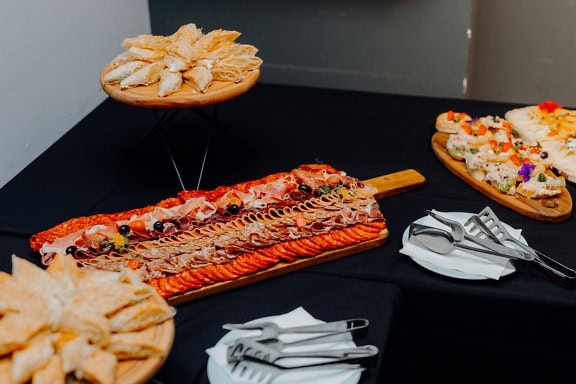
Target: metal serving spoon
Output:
[{"x": 442, "y": 242}]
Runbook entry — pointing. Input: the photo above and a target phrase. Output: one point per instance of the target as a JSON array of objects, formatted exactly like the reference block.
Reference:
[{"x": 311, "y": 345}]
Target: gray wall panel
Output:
[
  {"x": 524, "y": 51},
  {"x": 414, "y": 47}
]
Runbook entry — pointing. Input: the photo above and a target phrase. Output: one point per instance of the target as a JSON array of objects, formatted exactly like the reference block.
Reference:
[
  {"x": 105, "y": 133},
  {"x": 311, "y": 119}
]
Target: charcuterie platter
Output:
[
  {"x": 279, "y": 269},
  {"x": 386, "y": 185},
  {"x": 200, "y": 243},
  {"x": 553, "y": 209}
]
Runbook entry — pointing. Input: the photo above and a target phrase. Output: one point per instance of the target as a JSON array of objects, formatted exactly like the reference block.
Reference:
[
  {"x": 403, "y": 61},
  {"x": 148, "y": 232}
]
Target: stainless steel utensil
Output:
[
  {"x": 235, "y": 349},
  {"x": 264, "y": 373},
  {"x": 271, "y": 331},
  {"x": 492, "y": 222},
  {"x": 442, "y": 242},
  {"x": 476, "y": 227},
  {"x": 458, "y": 232},
  {"x": 246, "y": 348}
]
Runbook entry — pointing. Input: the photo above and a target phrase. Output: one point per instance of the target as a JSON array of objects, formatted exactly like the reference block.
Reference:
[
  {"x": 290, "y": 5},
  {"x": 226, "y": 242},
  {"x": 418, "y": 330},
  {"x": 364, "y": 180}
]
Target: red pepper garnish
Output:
[
  {"x": 133, "y": 264},
  {"x": 549, "y": 106},
  {"x": 506, "y": 146},
  {"x": 235, "y": 200},
  {"x": 450, "y": 115},
  {"x": 138, "y": 226},
  {"x": 482, "y": 130},
  {"x": 467, "y": 128},
  {"x": 516, "y": 160}
]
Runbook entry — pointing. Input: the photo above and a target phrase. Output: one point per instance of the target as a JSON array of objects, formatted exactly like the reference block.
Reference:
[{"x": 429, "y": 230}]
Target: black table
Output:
[
  {"x": 520, "y": 327},
  {"x": 330, "y": 298}
]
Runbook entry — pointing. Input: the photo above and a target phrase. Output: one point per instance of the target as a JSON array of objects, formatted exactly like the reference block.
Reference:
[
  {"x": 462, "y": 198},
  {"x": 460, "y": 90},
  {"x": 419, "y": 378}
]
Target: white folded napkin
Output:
[
  {"x": 218, "y": 365},
  {"x": 459, "y": 260}
]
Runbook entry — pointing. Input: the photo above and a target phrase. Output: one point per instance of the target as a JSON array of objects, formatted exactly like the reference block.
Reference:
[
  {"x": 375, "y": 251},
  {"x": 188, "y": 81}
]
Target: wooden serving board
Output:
[
  {"x": 387, "y": 185},
  {"x": 140, "y": 371},
  {"x": 396, "y": 183},
  {"x": 147, "y": 96},
  {"x": 554, "y": 209}
]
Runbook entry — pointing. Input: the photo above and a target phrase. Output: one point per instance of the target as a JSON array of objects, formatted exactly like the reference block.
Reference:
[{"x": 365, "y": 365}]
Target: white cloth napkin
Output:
[
  {"x": 294, "y": 318},
  {"x": 459, "y": 260}
]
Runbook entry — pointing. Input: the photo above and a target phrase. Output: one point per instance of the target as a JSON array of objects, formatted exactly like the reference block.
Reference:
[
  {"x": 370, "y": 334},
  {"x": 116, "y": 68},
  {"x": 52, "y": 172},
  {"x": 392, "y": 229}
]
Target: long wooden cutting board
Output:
[
  {"x": 387, "y": 185},
  {"x": 554, "y": 209}
]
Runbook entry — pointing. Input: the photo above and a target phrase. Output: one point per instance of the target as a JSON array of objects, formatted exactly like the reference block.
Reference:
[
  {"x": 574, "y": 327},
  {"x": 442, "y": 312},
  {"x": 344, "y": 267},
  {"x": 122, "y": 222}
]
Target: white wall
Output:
[{"x": 51, "y": 56}]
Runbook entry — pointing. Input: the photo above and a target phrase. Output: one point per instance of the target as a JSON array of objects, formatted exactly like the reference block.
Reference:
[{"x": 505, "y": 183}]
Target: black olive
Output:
[
  {"x": 233, "y": 209},
  {"x": 124, "y": 229},
  {"x": 71, "y": 250},
  {"x": 159, "y": 226},
  {"x": 544, "y": 155},
  {"x": 304, "y": 188}
]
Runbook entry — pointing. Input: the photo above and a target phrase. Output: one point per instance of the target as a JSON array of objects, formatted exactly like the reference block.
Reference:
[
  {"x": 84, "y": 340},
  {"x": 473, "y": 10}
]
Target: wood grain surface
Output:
[
  {"x": 278, "y": 270},
  {"x": 396, "y": 183},
  {"x": 147, "y": 96},
  {"x": 554, "y": 209},
  {"x": 140, "y": 371},
  {"x": 387, "y": 185}
]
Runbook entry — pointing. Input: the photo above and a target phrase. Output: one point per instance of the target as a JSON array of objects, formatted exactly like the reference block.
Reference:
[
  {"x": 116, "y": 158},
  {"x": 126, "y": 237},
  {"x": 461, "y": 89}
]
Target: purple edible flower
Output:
[
  {"x": 526, "y": 170},
  {"x": 475, "y": 119}
]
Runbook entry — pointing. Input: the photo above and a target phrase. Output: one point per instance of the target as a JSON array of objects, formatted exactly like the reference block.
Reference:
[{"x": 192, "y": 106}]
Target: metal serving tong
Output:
[
  {"x": 264, "y": 373},
  {"x": 271, "y": 331},
  {"x": 486, "y": 225},
  {"x": 244, "y": 348},
  {"x": 485, "y": 229},
  {"x": 457, "y": 237},
  {"x": 442, "y": 242},
  {"x": 268, "y": 343}
]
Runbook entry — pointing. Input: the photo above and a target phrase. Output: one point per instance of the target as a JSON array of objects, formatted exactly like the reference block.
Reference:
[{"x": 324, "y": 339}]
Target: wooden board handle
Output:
[{"x": 396, "y": 183}]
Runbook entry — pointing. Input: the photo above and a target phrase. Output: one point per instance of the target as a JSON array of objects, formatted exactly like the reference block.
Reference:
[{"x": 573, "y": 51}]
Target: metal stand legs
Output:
[{"x": 168, "y": 115}]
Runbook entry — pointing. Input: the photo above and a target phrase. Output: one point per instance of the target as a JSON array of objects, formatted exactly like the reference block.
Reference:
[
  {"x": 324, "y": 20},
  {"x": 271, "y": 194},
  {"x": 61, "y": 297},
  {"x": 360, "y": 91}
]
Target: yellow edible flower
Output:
[
  {"x": 118, "y": 240},
  {"x": 344, "y": 194}
]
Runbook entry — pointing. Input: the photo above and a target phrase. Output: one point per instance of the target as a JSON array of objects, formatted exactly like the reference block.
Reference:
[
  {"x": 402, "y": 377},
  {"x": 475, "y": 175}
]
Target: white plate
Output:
[
  {"x": 451, "y": 272},
  {"x": 217, "y": 375}
]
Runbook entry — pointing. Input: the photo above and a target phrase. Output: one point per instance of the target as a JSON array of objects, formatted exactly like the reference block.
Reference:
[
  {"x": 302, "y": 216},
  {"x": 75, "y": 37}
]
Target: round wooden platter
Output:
[
  {"x": 147, "y": 96},
  {"x": 141, "y": 371},
  {"x": 554, "y": 209}
]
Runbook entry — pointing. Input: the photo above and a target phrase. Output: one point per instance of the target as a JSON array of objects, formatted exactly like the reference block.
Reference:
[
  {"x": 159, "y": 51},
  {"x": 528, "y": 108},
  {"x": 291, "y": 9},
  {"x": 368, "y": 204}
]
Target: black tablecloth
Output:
[
  {"x": 519, "y": 327},
  {"x": 198, "y": 324}
]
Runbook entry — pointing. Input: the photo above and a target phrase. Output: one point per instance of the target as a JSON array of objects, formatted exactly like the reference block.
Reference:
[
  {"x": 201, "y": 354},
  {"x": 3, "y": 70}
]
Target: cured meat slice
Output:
[{"x": 203, "y": 237}]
